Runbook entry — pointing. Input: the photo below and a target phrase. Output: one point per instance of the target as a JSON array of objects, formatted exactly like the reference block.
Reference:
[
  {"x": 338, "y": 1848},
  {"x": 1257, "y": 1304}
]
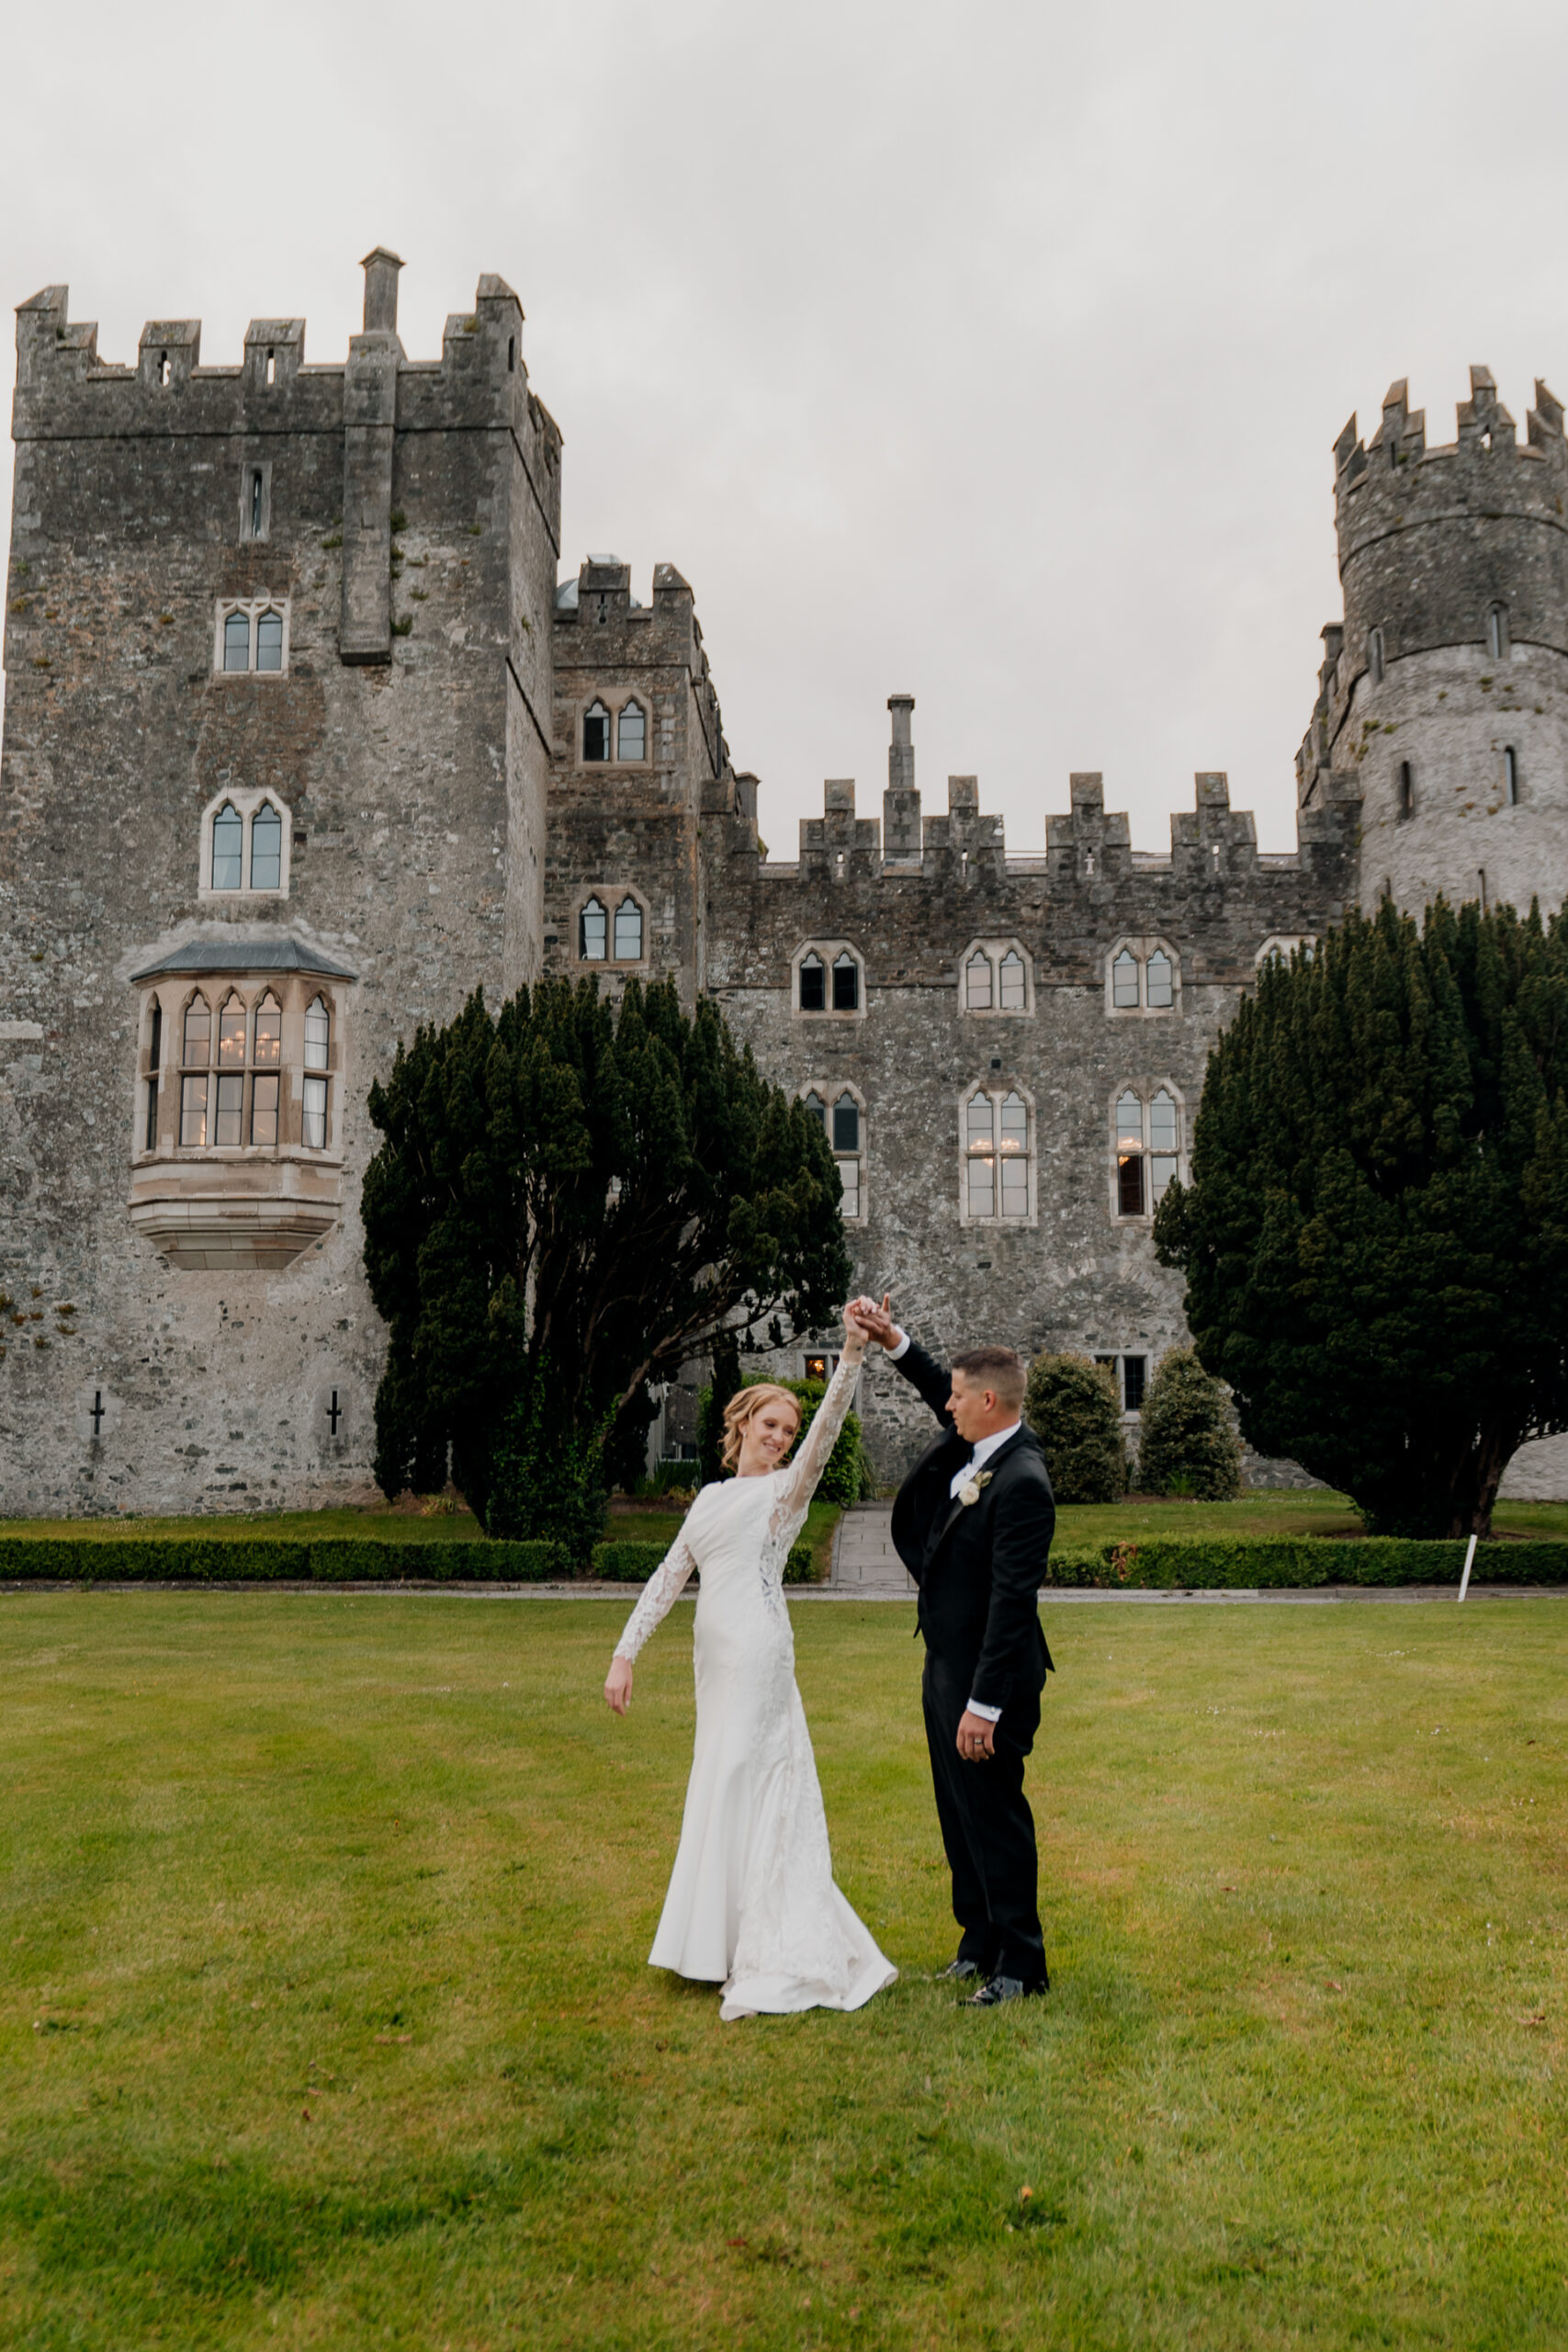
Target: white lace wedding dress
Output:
[{"x": 752, "y": 1902}]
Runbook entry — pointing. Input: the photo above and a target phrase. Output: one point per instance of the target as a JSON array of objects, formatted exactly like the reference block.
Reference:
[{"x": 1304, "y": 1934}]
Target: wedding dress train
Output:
[{"x": 751, "y": 1903}]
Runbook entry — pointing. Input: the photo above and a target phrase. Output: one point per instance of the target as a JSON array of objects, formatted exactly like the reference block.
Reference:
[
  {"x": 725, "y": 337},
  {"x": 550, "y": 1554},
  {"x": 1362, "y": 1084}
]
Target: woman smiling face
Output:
[{"x": 767, "y": 1437}]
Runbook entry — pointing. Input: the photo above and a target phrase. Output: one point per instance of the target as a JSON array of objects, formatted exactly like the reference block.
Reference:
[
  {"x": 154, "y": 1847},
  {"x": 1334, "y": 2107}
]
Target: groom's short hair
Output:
[{"x": 1000, "y": 1369}]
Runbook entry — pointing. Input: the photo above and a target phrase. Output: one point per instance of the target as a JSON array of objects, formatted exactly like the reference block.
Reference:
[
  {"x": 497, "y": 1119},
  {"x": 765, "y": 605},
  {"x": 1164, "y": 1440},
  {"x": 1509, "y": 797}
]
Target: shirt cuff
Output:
[
  {"x": 987, "y": 1714},
  {"x": 894, "y": 1353}
]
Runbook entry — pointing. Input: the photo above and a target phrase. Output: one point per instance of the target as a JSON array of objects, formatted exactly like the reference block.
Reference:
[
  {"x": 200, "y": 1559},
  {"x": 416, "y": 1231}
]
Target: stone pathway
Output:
[{"x": 863, "y": 1557}]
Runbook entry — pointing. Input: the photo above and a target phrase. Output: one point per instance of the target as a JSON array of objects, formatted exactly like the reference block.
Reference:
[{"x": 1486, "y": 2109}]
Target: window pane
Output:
[
  {"x": 1015, "y": 1188},
  {"x": 846, "y": 984},
  {"x": 629, "y": 931},
  {"x": 197, "y": 1035},
  {"x": 846, "y": 1124},
  {"x": 596, "y": 732},
  {"x": 812, "y": 980},
  {"x": 232, "y": 1034},
  {"x": 1012, "y": 981},
  {"x": 193, "y": 1113},
  {"x": 269, "y": 1033},
  {"x": 848, "y": 1172},
  {"x": 150, "y": 1143},
  {"x": 1135, "y": 1369},
  {"x": 269, "y": 641},
  {"x": 1015, "y": 1124},
  {"x": 1129, "y": 1185},
  {"x": 237, "y": 641},
  {"x": 982, "y": 1188},
  {"x": 230, "y": 1102},
  {"x": 1162, "y": 1121},
  {"x": 264, "y": 1109},
  {"x": 818, "y": 1108},
  {"x": 228, "y": 835},
  {"x": 593, "y": 932},
  {"x": 979, "y": 1127},
  {"x": 977, "y": 983},
  {"x": 316, "y": 1114},
  {"x": 1161, "y": 979},
  {"x": 317, "y": 1033},
  {"x": 1130, "y": 1123},
  {"x": 633, "y": 732},
  {"x": 266, "y": 849},
  {"x": 1124, "y": 981},
  {"x": 1162, "y": 1168}
]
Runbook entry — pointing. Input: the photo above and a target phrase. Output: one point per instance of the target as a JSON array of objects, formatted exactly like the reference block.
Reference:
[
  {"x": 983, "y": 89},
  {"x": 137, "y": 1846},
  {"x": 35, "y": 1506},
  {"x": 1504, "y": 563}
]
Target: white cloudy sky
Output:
[{"x": 994, "y": 355}]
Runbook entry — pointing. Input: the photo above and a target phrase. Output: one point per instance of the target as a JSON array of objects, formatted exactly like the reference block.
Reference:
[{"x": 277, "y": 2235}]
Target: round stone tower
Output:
[{"x": 1444, "y": 697}]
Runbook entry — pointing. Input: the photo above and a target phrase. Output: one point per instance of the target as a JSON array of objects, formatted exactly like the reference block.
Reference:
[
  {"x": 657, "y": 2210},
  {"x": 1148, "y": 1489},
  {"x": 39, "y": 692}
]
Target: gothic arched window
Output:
[
  {"x": 196, "y": 1048},
  {"x": 237, "y": 641},
  {"x": 269, "y": 640},
  {"x": 1124, "y": 981},
  {"x": 318, "y": 1039},
  {"x": 592, "y": 932},
  {"x": 228, "y": 847},
  {"x": 631, "y": 733},
  {"x": 813, "y": 980},
  {"x": 266, "y": 848},
  {"x": 595, "y": 732},
  {"x": 1010, "y": 973},
  {"x": 977, "y": 983},
  {"x": 995, "y": 1152},
  {"x": 629, "y": 931},
  {"x": 846, "y": 982},
  {"x": 1159, "y": 979}
]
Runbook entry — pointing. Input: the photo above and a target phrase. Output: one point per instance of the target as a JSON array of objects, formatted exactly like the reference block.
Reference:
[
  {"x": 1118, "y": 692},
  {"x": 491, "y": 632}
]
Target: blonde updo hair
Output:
[{"x": 740, "y": 1410}]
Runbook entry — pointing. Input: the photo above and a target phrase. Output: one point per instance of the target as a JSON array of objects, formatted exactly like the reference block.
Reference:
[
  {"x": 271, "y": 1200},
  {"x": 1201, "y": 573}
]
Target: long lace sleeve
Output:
[
  {"x": 797, "y": 1484},
  {"x": 657, "y": 1596}
]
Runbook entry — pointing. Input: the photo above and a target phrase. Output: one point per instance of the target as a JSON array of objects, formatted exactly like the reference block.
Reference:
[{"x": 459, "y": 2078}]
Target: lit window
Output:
[
  {"x": 813, "y": 981},
  {"x": 1130, "y": 1155},
  {"x": 631, "y": 732},
  {"x": 266, "y": 848},
  {"x": 1012, "y": 981},
  {"x": 996, "y": 1151},
  {"x": 846, "y": 983},
  {"x": 315, "y": 1113},
  {"x": 237, "y": 641},
  {"x": 1163, "y": 1141},
  {"x": 980, "y": 1146},
  {"x": 193, "y": 1113},
  {"x": 846, "y": 1124},
  {"x": 593, "y": 932},
  {"x": 1124, "y": 982},
  {"x": 196, "y": 1049},
  {"x": 318, "y": 1034},
  {"x": 269, "y": 1034},
  {"x": 230, "y": 1105},
  {"x": 1014, "y": 1156},
  {"x": 1159, "y": 980},
  {"x": 629, "y": 931},
  {"x": 977, "y": 983},
  {"x": 263, "y": 1107},
  {"x": 596, "y": 732},
  {"x": 228, "y": 844},
  {"x": 232, "y": 1035},
  {"x": 1148, "y": 1151}
]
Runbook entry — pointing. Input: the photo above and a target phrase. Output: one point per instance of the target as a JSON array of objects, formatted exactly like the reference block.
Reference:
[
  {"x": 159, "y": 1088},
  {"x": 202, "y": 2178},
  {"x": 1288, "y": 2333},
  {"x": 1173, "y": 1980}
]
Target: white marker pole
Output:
[{"x": 1469, "y": 1558}]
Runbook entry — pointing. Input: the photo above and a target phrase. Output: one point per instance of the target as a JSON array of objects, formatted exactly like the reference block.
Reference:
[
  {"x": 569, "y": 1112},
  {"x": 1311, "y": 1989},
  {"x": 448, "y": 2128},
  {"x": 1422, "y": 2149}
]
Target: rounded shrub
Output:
[
  {"x": 1187, "y": 1442},
  {"x": 1072, "y": 1406}
]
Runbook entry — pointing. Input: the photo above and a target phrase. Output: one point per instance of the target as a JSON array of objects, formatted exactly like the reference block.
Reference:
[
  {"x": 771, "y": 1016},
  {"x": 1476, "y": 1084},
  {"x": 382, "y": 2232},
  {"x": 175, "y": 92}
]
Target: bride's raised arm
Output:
[{"x": 797, "y": 1484}]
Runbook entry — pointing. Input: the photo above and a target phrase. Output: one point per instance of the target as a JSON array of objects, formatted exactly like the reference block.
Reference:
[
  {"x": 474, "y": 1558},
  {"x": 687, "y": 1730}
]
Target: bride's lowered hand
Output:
[{"x": 618, "y": 1685}]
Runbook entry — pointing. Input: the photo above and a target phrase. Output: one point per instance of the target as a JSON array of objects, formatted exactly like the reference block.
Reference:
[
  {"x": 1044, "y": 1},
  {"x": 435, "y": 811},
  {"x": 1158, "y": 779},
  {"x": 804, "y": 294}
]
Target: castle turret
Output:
[{"x": 1443, "y": 697}]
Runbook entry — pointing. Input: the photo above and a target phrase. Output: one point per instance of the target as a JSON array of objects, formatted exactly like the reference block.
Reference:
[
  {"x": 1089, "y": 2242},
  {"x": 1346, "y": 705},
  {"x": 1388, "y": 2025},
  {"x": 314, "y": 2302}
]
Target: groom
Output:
[{"x": 973, "y": 1525}]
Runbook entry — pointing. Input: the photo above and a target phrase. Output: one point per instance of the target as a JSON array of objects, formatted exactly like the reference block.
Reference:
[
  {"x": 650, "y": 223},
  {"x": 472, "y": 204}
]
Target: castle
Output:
[{"x": 305, "y": 738}]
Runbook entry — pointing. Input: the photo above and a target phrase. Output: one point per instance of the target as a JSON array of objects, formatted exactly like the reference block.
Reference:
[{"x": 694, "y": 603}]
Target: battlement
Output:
[{"x": 1395, "y": 479}]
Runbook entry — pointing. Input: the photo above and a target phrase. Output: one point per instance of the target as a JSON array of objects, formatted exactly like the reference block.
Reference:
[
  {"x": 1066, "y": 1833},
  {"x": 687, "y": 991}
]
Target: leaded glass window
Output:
[
  {"x": 1012, "y": 981},
  {"x": 818, "y": 1108},
  {"x": 977, "y": 983},
  {"x": 263, "y": 1107},
  {"x": 196, "y": 1048},
  {"x": 980, "y": 1148},
  {"x": 846, "y": 1124},
  {"x": 596, "y": 732},
  {"x": 227, "y": 846},
  {"x": 1164, "y": 1143},
  {"x": 193, "y": 1113},
  {"x": 317, "y": 1033},
  {"x": 231, "y": 1106},
  {"x": 1161, "y": 982},
  {"x": 232, "y": 1035},
  {"x": 266, "y": 848},
  {"x": 1014, "y": 1156},
  {"x": 237, "y": 644},
  {"x": 631, "y": 732},
  {"x": 269, "y": 1034},
  {"x": 593, "y": 932},
  {"x": 629, "y": 931},
  {"x": 1124, "y": 982},
  {"x": 269, "y": 641},
  {"x": 315, "y": 1114}
]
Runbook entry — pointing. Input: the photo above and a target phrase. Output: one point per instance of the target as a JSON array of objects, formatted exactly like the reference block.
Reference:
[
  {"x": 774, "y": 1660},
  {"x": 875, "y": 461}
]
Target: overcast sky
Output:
[{"x": 990, "y": 355}]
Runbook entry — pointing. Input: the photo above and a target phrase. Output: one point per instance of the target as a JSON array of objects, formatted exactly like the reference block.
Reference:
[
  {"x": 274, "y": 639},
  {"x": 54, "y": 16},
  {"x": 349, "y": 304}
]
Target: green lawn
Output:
[{"x": 325, "y": 2020}]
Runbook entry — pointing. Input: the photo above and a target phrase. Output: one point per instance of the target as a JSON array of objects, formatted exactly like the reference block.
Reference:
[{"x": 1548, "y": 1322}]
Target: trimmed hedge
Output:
[
  {"x": 251, "y": 1559},
  {"x": 1221, "y": 1563},
  {"x": 634, "y": 1562}
]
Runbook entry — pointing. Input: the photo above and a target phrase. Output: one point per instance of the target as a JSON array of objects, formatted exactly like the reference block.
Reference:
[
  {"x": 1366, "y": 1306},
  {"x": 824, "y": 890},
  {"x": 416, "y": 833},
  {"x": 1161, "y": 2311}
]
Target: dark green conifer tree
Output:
[
  {"x": 1070, "y": 1402},
  {"x": 1186, "y": 1442},
  {"x": 570, "y": 1201},
  {"x": 1375, "y": 1238}
]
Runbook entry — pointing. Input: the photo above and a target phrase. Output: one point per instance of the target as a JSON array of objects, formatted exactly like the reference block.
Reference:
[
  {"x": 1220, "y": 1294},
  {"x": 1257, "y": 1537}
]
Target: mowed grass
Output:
[{"x": 325, "y": 2019}]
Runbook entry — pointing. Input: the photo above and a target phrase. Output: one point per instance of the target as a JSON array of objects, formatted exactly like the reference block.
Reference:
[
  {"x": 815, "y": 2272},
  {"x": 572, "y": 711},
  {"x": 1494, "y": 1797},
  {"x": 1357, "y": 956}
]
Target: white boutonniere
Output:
[{"x": 969, "y": 1492}]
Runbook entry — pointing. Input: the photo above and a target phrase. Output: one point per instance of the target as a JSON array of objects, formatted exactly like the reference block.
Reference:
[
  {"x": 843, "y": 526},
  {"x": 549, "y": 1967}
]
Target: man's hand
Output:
[
  {"x": 618, "y": 1685},
  {"x": 976, "y": 1738},
  {"x": 875, "y": 1321}
]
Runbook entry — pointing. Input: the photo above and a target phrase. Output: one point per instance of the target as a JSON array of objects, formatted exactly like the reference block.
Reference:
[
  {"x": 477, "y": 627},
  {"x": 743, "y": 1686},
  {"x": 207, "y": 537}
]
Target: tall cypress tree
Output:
[
  {"x": 1375, "y": 1238},
  {"x": 568, "y": 1203}
]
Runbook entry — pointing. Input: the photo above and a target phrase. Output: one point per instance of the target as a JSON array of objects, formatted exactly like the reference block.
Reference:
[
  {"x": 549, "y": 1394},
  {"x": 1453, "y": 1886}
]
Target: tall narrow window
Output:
[
  {"x": 1135, "y": 1380},
  {"x": 1014, "y": 1156},
  {"x": 1130, "y": 1155},
  {"x": 631, "y": 732},
  {"x": 150, "y": 1139},
  {"x": 256, "y": 481},
  {"x": 197, "y": 1048},
  {"x": 592, "y": 932},
  {"x": 1498, "y": 631},
  {"x": 1159, "y": 982},
  {"x": 266, "y": 848},
  {"x": 813, "y": 980},
  {"x": 980, "y": 1148},
  {"x": 1012, "y": 984},
  {"x": 1124, "y": 982},
  {"x": 1164, "y": 1140},
  {"x": 228, "y": 844},
  {"x": 1374, "y": 655},
  {"x": 315, "y": 1115},
  {"x": 846, "y": 983},
  {"x": 154, "y": 1060},
  {"x": 231, "y": 1103},
  {"x": 629, "y": 931},
  {"x": 269, "y": 641},
  {"x": 846, "y": 1124},
  {"x": 1511, "y": 776},
  {"x": 596, "y": 732},
  {"x": 818, "y": 1108},
  {"x": 232, "y": 1035},
  {"x": 193, "y": 1113},
  {"x": 237, "y": 641},
  {"x": 269, "y": 1034},
  {"x": 263, "y": 1107},
  {"x": 317, "y": 1033},
  {"x": 977, "y": 983},
  {"x": 1407, "y": 790}
]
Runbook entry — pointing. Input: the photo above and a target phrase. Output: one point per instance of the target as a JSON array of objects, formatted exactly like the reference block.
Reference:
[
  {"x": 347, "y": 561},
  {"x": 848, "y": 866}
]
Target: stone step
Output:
[{"x": 864, "y": 1556}]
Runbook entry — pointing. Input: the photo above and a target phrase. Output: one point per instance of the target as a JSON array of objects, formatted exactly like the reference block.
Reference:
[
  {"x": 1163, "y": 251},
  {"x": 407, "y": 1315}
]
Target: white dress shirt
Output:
[{"x": 985, "y": 1447}]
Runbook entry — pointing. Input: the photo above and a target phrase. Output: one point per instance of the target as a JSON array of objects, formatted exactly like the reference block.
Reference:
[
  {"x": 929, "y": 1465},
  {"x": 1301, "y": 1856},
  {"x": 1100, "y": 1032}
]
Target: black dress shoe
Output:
[
  {"x": 998, "y": 1989},
  {"x": 958, "y": 1971}
]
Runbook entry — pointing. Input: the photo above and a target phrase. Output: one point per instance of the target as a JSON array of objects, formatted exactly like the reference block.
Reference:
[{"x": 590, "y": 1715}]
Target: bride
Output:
[{"x": 752, "y": 1902}]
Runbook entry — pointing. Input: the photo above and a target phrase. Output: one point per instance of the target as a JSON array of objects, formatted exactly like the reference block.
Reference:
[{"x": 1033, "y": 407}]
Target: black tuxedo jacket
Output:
[{"x": 978, "y": 1565}]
